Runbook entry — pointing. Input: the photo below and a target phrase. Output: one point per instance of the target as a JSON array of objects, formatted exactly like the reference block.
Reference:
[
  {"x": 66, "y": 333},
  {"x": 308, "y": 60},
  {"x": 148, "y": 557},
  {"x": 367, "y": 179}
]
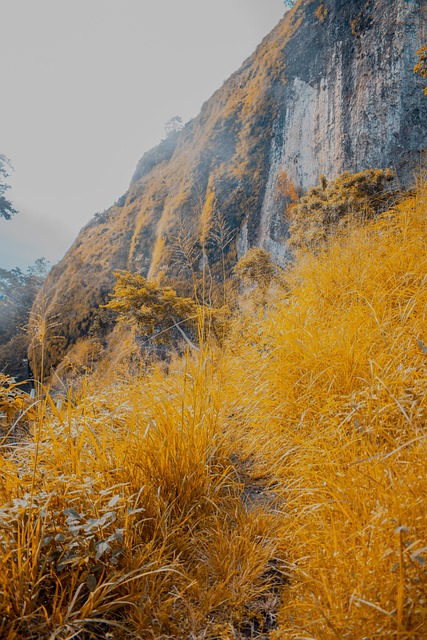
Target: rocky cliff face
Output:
[
  {"x": 350, "y": 101},
  {"x": 330, "y": 89}
]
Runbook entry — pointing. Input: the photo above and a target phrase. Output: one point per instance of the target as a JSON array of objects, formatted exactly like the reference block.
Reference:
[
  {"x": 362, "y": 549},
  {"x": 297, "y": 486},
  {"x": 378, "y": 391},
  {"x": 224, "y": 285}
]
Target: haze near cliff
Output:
[{"x": 89, "y": 86}]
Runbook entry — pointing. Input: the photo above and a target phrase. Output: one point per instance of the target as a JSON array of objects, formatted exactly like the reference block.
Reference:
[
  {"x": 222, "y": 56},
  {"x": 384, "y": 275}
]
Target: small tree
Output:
[
  {"x": 173, "y": 125},
  {"x": 421, "y": 66},
  {"x": 257, "y": 268},
  {"x": 160, "y": 314},
  {"x": 156, "y": 312},
  {"x": 6, "y": 209},
  {"x": 329, "y": 205}
]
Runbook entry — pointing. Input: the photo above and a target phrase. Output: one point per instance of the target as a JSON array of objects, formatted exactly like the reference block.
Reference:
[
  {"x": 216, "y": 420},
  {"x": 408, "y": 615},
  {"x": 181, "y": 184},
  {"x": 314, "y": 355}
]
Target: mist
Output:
[{"x": 89, "y": 88}]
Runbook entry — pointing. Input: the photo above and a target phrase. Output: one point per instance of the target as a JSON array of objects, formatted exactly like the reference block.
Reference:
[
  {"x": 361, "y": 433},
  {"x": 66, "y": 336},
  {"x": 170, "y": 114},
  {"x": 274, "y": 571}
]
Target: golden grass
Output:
[
  {"x": 334, "y": 409},
  {"x": 173, "y": 505},
  {"x": 123, "y": 513}
]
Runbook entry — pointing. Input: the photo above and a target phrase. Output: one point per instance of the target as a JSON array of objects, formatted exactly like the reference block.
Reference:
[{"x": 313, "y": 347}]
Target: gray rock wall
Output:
[{"x": 351, "y": 101}]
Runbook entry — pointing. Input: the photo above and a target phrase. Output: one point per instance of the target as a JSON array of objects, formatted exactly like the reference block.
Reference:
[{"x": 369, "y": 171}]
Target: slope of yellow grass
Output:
[
  {"x": 332, "y": 401},
  {"x": 123, "y": 515},
  {"x": 276, "y": 487}
]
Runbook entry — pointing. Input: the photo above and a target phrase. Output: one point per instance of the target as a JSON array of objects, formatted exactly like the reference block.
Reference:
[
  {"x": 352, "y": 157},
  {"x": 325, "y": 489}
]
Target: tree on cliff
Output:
[
  {"x": 156, "y": 312},
  {"x": 421, "y": 66},
  {"x": 173, "y": 125},
  {"x": 159, "y": 314},
  {"x": 6, "y": 209}
]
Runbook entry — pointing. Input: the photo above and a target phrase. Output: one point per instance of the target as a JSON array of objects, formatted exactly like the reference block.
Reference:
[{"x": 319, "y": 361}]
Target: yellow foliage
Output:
[
  {"x": 124, "y": 514},
  {"x": 330, "y": 205},
  {"x": 160, "y": 314},
  {"x": 80, "y": 359},
  {"x": 276, "y": 487},
  {"x": 286, "y": 187},
  {"x": 321, "y": 12},
  {"x": 333, "y": 401},
  {"x": 154, "y": 310},
  {"x": 13, "y": 400},
  {"x": 256, "y": 267},
  {"x": 421, "y": 66}
]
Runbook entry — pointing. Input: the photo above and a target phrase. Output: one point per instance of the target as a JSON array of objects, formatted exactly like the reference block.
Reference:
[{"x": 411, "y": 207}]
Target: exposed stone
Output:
[{"x": 331, "y": 88}]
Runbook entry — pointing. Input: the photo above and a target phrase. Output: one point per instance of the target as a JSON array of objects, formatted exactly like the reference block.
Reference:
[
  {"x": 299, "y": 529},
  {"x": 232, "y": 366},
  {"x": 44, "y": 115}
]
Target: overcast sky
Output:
[{"x": 86, "y": 87}]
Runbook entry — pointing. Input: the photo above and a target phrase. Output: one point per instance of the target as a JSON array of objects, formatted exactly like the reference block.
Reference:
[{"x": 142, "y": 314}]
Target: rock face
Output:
[
  {"x": 351, "y": 102},
  {"x": 330, "y": 89}
]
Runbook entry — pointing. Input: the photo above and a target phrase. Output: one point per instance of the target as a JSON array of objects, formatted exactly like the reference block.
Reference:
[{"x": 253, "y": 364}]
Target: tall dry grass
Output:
[
  {"x": 274, "y": 487},
  {"x": 331, "y": 399},
  {"x": 123, "y": 515}
]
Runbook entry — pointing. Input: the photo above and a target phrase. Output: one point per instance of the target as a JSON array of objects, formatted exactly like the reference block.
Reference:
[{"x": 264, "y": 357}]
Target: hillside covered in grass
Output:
[{"x": 275, "y": 487}]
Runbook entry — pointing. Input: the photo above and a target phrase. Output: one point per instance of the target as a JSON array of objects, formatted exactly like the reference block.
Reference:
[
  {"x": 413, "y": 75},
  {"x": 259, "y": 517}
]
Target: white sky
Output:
[{"x": 86, "y": 88}]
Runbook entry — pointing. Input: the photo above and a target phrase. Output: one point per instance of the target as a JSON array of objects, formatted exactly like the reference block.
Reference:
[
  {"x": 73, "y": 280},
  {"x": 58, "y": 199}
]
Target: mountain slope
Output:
[{"x": 330, "y": 89}]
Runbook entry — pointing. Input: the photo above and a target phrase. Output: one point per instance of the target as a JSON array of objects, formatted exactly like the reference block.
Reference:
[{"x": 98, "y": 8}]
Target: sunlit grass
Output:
[
  {"x": 124, "y": 514},
  {"x": 276, "y": 485},
  {"x": 334, "y": 409}
]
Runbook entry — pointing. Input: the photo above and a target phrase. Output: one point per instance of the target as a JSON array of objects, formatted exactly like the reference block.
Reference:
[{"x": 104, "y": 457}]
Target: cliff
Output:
[{"x": 331, "y": 88}]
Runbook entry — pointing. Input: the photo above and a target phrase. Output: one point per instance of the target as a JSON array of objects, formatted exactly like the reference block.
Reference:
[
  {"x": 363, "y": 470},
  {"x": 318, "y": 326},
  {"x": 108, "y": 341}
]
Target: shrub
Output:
[{"x": 330, "y": 205}]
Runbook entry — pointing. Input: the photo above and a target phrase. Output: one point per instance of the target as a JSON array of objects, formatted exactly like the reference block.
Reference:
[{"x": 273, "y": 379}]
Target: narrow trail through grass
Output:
[{"x": 276, "y": 487}]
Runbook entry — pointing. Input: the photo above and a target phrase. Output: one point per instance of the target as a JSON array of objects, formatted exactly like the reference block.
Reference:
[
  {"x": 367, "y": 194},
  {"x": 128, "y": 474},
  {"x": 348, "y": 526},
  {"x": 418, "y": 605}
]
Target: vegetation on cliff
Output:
[
  {"x": 308, "y": 101},
  {"x": 333, "y": 205},
  {"x": 265, "y": 478},
  {"x": 276, "y": 485},
  {"x": 421, "y": 66}
]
